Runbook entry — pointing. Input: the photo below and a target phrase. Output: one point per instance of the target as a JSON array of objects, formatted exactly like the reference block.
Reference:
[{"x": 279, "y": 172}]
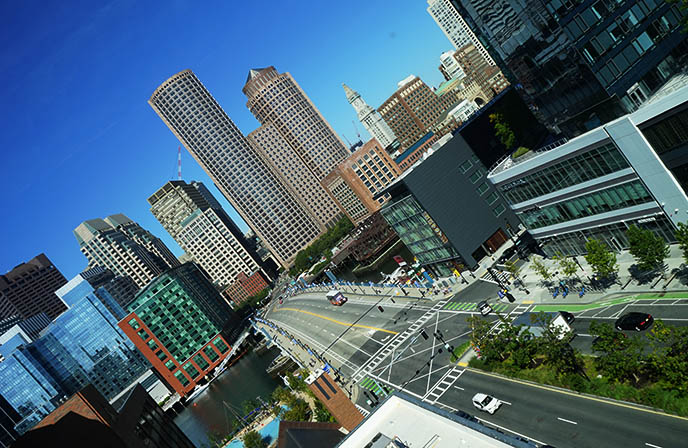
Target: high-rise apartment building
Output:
[
  {"x": 488, "y": 77},
  {"x": 292, "y": 171},
  {"x": 365, "y": 172},
  {"x": 29, "y": 289},
  {"x": 124, "y": 247},
  {"x": 248, "y": 183},
  {"x": 178, "y": 323},
  {"x": 203, "y": 231},
  {"x": 455, "y": 27},
  {"x": 82, "y": 346},
  {"x": 278, "y": 99},
  {"x": 411, "y": 110},
  {"x": 371, "y": 119}
]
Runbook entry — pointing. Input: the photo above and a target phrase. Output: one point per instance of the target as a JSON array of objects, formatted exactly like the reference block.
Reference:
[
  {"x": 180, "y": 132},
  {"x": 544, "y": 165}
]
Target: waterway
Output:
[
  {"x": 389, "y": 266},
  {"x": 245, "y": 380}
]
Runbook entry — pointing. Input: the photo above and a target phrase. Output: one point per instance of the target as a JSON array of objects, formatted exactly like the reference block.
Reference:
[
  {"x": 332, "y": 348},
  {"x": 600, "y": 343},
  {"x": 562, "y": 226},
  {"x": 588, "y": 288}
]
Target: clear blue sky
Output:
[{"x": 79, "y": 140}]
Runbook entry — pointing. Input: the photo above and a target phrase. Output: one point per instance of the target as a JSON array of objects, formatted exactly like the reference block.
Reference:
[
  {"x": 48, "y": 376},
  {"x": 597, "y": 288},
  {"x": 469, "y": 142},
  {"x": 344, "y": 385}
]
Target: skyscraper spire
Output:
[{"x": 370, "y": 118}]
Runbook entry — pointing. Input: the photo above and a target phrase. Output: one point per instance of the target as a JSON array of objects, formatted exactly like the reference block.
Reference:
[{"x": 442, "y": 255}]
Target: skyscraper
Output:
[
  {"x": 124, "y": 247},
  {"x": 292, "y": 171},
  {"x": 455, "y": 27},
  {"x": 29, "y": 289},
  {"x": 203, "y": 231},
  {"x": 371, "y": 119},
  {"x": 277, "y": 98},
  {"x": 248, "y": 183}
]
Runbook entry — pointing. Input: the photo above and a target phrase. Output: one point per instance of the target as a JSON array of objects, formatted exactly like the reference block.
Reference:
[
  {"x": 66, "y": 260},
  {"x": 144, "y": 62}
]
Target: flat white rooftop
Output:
[{"x": 411, "y": 423}]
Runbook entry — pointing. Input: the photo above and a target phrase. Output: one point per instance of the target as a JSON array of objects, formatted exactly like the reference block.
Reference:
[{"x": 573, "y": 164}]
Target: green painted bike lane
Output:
[{"x": 611, "y": 302}]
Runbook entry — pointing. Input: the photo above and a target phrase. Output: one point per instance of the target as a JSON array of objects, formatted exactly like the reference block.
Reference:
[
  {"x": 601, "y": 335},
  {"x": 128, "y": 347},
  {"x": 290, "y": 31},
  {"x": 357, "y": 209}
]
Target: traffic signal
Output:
[
  {"x": 379, "y": 307},
  {"x": 510, "y": 297},
  {"x": 424, "y": 334}
]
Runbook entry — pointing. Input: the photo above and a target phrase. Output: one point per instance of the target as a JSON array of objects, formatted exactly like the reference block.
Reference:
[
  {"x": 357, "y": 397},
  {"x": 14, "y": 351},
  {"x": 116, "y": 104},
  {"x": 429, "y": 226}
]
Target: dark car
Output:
[
  {"x": 568, "y": 317},
  {"x": 634, "y": 321},
  {"x": 484, "y": 308}
]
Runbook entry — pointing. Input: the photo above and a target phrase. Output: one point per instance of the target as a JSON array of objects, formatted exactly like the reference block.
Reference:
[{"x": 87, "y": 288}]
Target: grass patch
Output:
[
  {"x": 653, "y": 395},
  {"x": 460, "y": 350},
  {"x": 519, "y": 152}
]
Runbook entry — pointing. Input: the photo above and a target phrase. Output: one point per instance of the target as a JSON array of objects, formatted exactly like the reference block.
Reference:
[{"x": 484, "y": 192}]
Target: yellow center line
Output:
[
  {"x": 336, "y": 321},
  {"x": 574, "y": 394}
]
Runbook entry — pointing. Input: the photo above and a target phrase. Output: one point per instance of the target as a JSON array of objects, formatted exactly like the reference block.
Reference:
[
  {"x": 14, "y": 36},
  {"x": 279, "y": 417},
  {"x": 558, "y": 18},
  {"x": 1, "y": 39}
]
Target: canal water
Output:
[
  {"x": 389, "y": 266},
  {"x": 245, "y": 380}
]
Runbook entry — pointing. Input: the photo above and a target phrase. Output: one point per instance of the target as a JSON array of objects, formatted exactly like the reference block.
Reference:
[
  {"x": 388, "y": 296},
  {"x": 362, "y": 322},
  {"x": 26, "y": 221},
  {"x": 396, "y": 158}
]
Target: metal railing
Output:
[{"x": 507, "y": 161}]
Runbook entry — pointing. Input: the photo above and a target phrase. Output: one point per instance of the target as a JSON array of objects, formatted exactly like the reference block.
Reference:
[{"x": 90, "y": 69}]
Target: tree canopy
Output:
[
  {"x": 648, "y": 249},
  {"x": 601, "y": 259},
  {"x": 322, "y": 247},
  {"x": 503, "y": 130}
]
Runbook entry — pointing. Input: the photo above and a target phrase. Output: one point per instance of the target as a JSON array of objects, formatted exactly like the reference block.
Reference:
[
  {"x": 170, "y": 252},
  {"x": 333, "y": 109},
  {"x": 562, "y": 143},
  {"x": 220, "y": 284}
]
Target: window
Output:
[
  {"x": 465, "y": 166},
  {"x": 499, "y": 209},
  {"x": 483, "y": 188},
  {"x": 475, "y": 177},
  {"x": 491, "y": 199}
]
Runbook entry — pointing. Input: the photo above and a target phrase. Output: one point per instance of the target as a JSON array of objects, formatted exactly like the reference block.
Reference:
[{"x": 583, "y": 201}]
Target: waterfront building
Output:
[
  {"x": 243, "y": 177},
  {"x": 446, "y": 211},
  {"x": 633, "y": 170},
  {"x": 365, "y": 172},
  {"x": 203, "y": 231},
  {"x": 29, "y": 289},
  {"x": 245, "y": 286},
  {"x": 303, "y": 184},
  {"x": 371, "y": 120},
  {"x": 411, "y": 111},
  {"x": 82, "y": 346},
  {"x": 277, "y": 98},
  {"x": 455, "y": 27},
  {"x": 179, "y": 322},
  {"x": 124, "y": 247}
]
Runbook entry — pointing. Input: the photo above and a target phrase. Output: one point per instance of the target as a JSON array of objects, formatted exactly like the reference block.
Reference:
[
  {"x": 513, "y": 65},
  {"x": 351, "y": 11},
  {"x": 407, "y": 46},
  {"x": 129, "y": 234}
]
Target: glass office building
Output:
[
  {"x": 82, "y": 346},
  {"x": 597, "y": 185},
  {"x": 176, "y": 322}
]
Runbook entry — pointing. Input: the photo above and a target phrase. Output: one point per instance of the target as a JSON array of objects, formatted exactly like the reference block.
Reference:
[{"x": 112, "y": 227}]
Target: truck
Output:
[
  {"x": 535, "y": 325},
  {"x": 336, "y": 298}
]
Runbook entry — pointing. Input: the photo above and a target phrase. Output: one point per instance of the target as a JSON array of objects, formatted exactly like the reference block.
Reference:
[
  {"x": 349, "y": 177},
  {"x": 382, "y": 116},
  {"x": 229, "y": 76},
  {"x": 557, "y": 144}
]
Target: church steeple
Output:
[{"x": 350, "y": 93}]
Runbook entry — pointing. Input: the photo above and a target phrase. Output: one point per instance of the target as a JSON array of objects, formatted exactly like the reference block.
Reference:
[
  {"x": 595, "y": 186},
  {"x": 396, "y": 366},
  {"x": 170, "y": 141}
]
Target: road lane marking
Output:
[
  {"x": 573, "y": 394},
  {"x": 339, "y": 322},
  {"x": 505, "y": 402},
  {"x": 510, "y": 430},
  {"x": 653, "y": 446},
  {"x": 460, "y": 388},
  {"x": 567, "y": 421}
]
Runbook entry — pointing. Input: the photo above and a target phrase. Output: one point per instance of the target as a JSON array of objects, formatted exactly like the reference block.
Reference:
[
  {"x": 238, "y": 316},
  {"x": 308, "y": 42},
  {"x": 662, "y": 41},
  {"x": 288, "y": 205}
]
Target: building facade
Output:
[
  {"x": 429, "y": 204},
  {"x": 9, "y": 418},
  {"x": 299, "y": 180},
  {"x": 245, "y": 286},
  {"x": 346, "y": 195},
  {"x": 177, "y": 322},
  {"x": 121, "y": 288},
  {"x": 278, "y": 99},
  {"x": 253, "y": 189},
  {"x": 124, "y": 247},
  {"x": 203, "y": 231},
  {"x": 629, "y": 171},
  {"x": 29, "y": 289},
  {"x": 455, "y": 27},
  {"x": 371, "y": 120},
  {"x": 82, "y": 346},
  {"x": 411, "y": 111},
  {"x": 488, "y": 77}
]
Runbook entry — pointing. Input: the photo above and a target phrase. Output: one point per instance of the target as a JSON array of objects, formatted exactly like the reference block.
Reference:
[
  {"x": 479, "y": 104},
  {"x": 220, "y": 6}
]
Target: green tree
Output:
[
  {"x": 541, "y": 270},
  {"x": 503, "y": 130},
  {"x": 601, "y": 259},
  {"x": 567, "y": 265},
  {"x": 249, "y": 405},
  {"x": 682, "y": 238},
  {"x": 321, "y": 413},
  {"x": 668, "y": 361},
  {"x": 554, "y": 345},
  {"x": 648, "y": 249},
  {"x": 512, "y": 268},
  {"x": 253, "y": 439},
  {"x": 619, "y": 358},
  {"x": 299, "y": 412}
]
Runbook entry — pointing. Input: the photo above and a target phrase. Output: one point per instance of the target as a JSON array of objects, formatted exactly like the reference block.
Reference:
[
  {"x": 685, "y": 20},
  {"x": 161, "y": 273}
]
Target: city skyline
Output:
[{"x": 84, "y": 147}]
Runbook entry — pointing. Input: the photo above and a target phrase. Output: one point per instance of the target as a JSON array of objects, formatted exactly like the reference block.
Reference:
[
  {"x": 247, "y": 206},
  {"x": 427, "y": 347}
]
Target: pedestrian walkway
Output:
[
  {"x": 467, "y": 306},
  {"x": 371, "y": 385},
  {"x": 502, "y": 277}
]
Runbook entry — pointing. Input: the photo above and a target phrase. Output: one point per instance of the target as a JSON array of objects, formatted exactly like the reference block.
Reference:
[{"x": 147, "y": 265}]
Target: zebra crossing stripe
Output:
[
  {"x": 455, "y": 305},
  {"x": 473, "y": 306},
  {"x": 365, "y": 383}
]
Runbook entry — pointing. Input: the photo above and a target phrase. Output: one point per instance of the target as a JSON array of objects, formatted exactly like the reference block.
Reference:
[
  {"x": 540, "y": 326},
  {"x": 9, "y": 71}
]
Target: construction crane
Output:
[
  {"x": 347, "y": 140},
  {"x": 356, "y": 128}
]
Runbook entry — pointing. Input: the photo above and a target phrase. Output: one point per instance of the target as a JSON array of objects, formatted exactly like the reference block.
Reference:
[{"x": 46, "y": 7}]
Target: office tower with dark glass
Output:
[
  {"x": 29, "y": 289},
  {"x": 254, "y": 190},
  {"x": 121, "y": 245},
  {"x": 204, "y": 231}
]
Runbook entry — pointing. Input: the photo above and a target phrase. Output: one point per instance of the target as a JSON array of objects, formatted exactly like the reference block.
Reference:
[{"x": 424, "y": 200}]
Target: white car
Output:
[{"x": 486, "y": 403}]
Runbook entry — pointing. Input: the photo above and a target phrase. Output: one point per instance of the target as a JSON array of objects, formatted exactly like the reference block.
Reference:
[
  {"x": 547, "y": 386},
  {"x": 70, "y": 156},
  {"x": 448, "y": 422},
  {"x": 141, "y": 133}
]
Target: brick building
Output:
[
  {"x": 370, "y": 237},
  {"x": 244, "y": 287},
  {"x": 334, "y": 399}
]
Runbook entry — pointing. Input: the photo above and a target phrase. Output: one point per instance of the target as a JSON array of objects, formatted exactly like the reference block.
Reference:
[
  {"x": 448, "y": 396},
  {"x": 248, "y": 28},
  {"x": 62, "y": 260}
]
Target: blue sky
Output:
[{"x": 79, "y": 140}]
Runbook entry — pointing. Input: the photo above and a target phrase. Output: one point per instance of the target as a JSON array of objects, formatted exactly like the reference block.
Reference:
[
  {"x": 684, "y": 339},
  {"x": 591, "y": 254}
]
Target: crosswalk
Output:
[
  {"x": 371, "y": 385},
  {"x": 504, "y": 277},
  {"x": 442, "y": 385},
  {"x": 466, "y": 306}
]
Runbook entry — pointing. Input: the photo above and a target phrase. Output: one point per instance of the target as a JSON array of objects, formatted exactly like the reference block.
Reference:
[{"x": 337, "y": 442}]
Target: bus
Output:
[{"x": 336, "y": 298}]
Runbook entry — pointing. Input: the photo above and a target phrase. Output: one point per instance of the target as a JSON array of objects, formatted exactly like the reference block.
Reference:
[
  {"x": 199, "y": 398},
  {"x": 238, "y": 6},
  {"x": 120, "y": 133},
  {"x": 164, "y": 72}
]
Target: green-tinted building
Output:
[{"x": 177, "y": 323}]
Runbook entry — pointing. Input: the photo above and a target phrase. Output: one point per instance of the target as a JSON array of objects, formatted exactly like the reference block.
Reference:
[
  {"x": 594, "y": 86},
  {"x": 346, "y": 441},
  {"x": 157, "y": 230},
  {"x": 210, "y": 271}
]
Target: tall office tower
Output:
[
  {"x": 204, "y": 232},
  {"x": 29, "y": 289},
  {"x": 121, "y": 288},
  {"x": 371, "y": 119},
  {"x": 247, "y": 182},
  {"x": 180, "y": 322},
  {"x": 105, "y": 245},
  {"x": 276, "y": 98},
  {"x": 455, "y": 27},
  {"x": 302, "y": 183},
  {"x": 411, "y": 110},
  {"x": 83, "y": 345}
]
